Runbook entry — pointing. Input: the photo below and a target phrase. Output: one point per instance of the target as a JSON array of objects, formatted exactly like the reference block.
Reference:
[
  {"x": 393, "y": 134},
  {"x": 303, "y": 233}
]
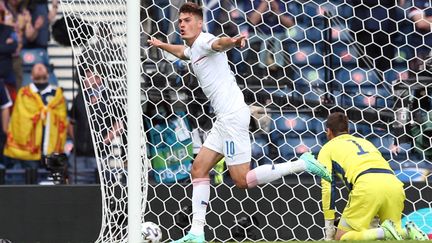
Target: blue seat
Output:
[
  {"x": 365, "y": 100},
  {"x": 279, "y": 127},
  {"x": 412, "y": 174},
  {"x": 286, "y": 151},
  {"x": 313, "y": 34},
  {"x": 391, "y": 75},
  {"x": 260, "y": 148},
  {"x": 358, "y": 76},
  {"x": 309, "y": 79},
  {"x": 394, "y": 165},
  {"x": 345, "y": 53},
  {"x": 382, "y": 143},
  {"x": 380, "y": 131},
  {"x": 365, "y": 96},
  {"x": 289, "y": 122},
  {"x": 378, "y": 96},
  {"x": 344, "y": 9},
  {"x": 342, "y": 75},
  {"x": 294, "y": 8},
  {"x": 296, "y": 146},
  {"x": 32, "y": 56},
  {"x": 306, "y": 55},
  {"x": 296, "y": 33},
  {"x": 403, "y": 55},
  {"x": 362, "y": 129},
  {"x": 288, "y": 132},
  {"x": 316, "y": 126},
  {"x": 311, "y": 9},
  {"x": 341, "y": 33}
]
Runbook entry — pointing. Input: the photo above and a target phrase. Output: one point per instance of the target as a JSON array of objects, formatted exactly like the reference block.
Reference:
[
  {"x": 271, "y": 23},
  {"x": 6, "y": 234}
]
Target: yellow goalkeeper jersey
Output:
[{"x": 347, "y": 156}]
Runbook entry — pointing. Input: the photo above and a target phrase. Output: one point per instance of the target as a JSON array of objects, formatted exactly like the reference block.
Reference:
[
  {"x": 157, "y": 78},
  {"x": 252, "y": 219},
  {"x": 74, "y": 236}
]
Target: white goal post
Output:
[
  {"x": 135, "y": 204},
  {"x": 370, "y": 60}
]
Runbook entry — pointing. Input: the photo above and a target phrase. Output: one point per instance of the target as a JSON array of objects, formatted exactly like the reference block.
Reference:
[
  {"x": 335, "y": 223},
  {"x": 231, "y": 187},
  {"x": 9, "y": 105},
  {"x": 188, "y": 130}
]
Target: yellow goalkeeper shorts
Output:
[{"x": 373, "y": 194}]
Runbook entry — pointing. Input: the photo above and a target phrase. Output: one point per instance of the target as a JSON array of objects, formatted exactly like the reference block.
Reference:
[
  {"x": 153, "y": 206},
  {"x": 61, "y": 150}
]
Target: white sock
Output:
[
  {"x": 267, "y": 173},
  {"x": 200, "y": 199}
]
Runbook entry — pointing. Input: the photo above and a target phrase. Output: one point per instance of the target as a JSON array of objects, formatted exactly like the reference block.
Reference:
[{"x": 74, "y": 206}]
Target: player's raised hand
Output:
[
  {"x": 154, "y": 42},
  {"x": 240, "y": 41}
]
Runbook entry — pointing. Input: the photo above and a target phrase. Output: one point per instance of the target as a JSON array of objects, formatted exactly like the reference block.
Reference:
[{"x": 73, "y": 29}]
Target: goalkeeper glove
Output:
[{"x": 330, "y": 230}]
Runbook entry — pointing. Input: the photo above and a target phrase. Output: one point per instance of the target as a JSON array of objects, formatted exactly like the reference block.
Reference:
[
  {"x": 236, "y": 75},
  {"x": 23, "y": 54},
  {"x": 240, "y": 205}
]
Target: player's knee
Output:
[{"x": 198, "y": 172}]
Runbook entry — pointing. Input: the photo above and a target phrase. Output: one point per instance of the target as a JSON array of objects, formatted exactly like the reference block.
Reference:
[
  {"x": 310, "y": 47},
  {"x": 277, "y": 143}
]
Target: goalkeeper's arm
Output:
[{"x": 176, "y": 50}]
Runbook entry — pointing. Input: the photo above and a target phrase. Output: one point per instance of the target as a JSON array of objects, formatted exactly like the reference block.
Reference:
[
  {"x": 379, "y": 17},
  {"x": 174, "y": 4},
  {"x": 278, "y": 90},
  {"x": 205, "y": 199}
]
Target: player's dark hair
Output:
[
  {"x": 337, "y": 122},
  {"x": 192, "y": 8}
]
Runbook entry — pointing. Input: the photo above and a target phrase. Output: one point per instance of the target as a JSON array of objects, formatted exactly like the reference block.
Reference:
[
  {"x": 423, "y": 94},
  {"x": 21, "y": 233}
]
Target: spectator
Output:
[
  {"x": 5, "y": 105},
  {"x": 83, "y": 156},
  {"x": 38, "y": 20},
  {"x": 105, "y": 114},
  {"x": 270, "y": 20},
  {"x": 372, "y": 24},
  {"x": 38, "y": 123},
  {"x": 8, "y": 46},
  {"x": 421, "y": 15},
  {"x": 15, "y": 17},
  {"x": 107, "y": 51},
  {"x": 217, "y": 17},
  {"x": 102, "y": 123},
  {"x": 226, "y": 18}
]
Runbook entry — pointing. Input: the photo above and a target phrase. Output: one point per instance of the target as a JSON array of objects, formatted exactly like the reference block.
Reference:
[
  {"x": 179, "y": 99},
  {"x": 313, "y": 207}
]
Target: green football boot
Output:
[
  {"x": 191, "y": 238},
  {"x": 390, "y": 232},
  {"x": 414, "y": 233}
]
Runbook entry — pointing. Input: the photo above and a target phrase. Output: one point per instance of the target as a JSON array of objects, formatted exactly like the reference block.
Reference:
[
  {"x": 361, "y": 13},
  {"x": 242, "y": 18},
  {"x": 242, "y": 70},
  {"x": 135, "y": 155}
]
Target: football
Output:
[{"x": 151, "y": 232}]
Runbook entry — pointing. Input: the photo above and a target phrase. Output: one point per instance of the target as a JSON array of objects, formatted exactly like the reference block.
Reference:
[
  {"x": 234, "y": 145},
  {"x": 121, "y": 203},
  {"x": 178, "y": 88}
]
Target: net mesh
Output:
[
  {"x": 98, "y": 36},
  {"x": 303, "y": 60}
]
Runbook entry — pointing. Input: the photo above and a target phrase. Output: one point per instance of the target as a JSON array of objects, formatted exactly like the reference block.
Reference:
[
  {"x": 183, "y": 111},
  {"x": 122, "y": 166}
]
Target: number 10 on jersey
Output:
[{"x": 230, "y": 150}]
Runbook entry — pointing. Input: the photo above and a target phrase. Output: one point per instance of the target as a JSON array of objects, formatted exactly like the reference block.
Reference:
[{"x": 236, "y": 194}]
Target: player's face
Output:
[
  {"x": 39, "y": 73},
  {"x": 190, "y": 27}
]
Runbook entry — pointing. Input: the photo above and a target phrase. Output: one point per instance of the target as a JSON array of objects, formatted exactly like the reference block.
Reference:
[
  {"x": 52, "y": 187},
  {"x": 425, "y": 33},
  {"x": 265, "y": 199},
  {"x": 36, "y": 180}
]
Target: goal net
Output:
[{"x": 304, "y": 59}]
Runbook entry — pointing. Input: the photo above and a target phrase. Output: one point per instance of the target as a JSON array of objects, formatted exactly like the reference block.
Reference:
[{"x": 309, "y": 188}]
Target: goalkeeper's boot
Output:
[
  {"x": 390, "y": 232},
  {"x": 191, "y": 238},
  {"x": 414, "y": 233},
  {"x": 315, "y": 167}
]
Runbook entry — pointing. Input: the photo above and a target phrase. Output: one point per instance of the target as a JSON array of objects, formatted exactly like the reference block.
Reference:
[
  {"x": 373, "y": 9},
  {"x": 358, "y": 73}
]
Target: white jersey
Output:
[{"x": 214, "y": 75}]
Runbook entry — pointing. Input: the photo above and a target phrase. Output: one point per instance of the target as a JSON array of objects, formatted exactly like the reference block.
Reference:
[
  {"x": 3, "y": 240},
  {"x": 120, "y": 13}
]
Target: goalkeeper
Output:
[
  {"x": 374, "y": 189},
  {"x": 229, "y": 136}
]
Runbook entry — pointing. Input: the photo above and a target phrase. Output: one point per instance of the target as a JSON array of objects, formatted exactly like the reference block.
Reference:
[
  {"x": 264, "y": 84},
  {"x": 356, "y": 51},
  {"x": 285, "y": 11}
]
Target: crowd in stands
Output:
[
  {"x": 35, "y": 121},
  {"x": 34, "y": 112},
  {"x": 373, "y": 44}
]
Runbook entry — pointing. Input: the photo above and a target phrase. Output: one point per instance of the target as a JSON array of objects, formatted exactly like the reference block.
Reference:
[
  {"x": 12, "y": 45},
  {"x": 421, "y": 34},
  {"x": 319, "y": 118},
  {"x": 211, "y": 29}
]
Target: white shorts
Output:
[{"x": 230, "y": 137}]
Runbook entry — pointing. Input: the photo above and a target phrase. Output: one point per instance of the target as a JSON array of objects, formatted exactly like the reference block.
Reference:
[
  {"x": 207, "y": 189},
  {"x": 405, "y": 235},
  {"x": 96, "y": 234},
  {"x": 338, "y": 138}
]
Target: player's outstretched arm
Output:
[
  {"x": 176, "y": 50},
  {"x": 226, "y": 43}
]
